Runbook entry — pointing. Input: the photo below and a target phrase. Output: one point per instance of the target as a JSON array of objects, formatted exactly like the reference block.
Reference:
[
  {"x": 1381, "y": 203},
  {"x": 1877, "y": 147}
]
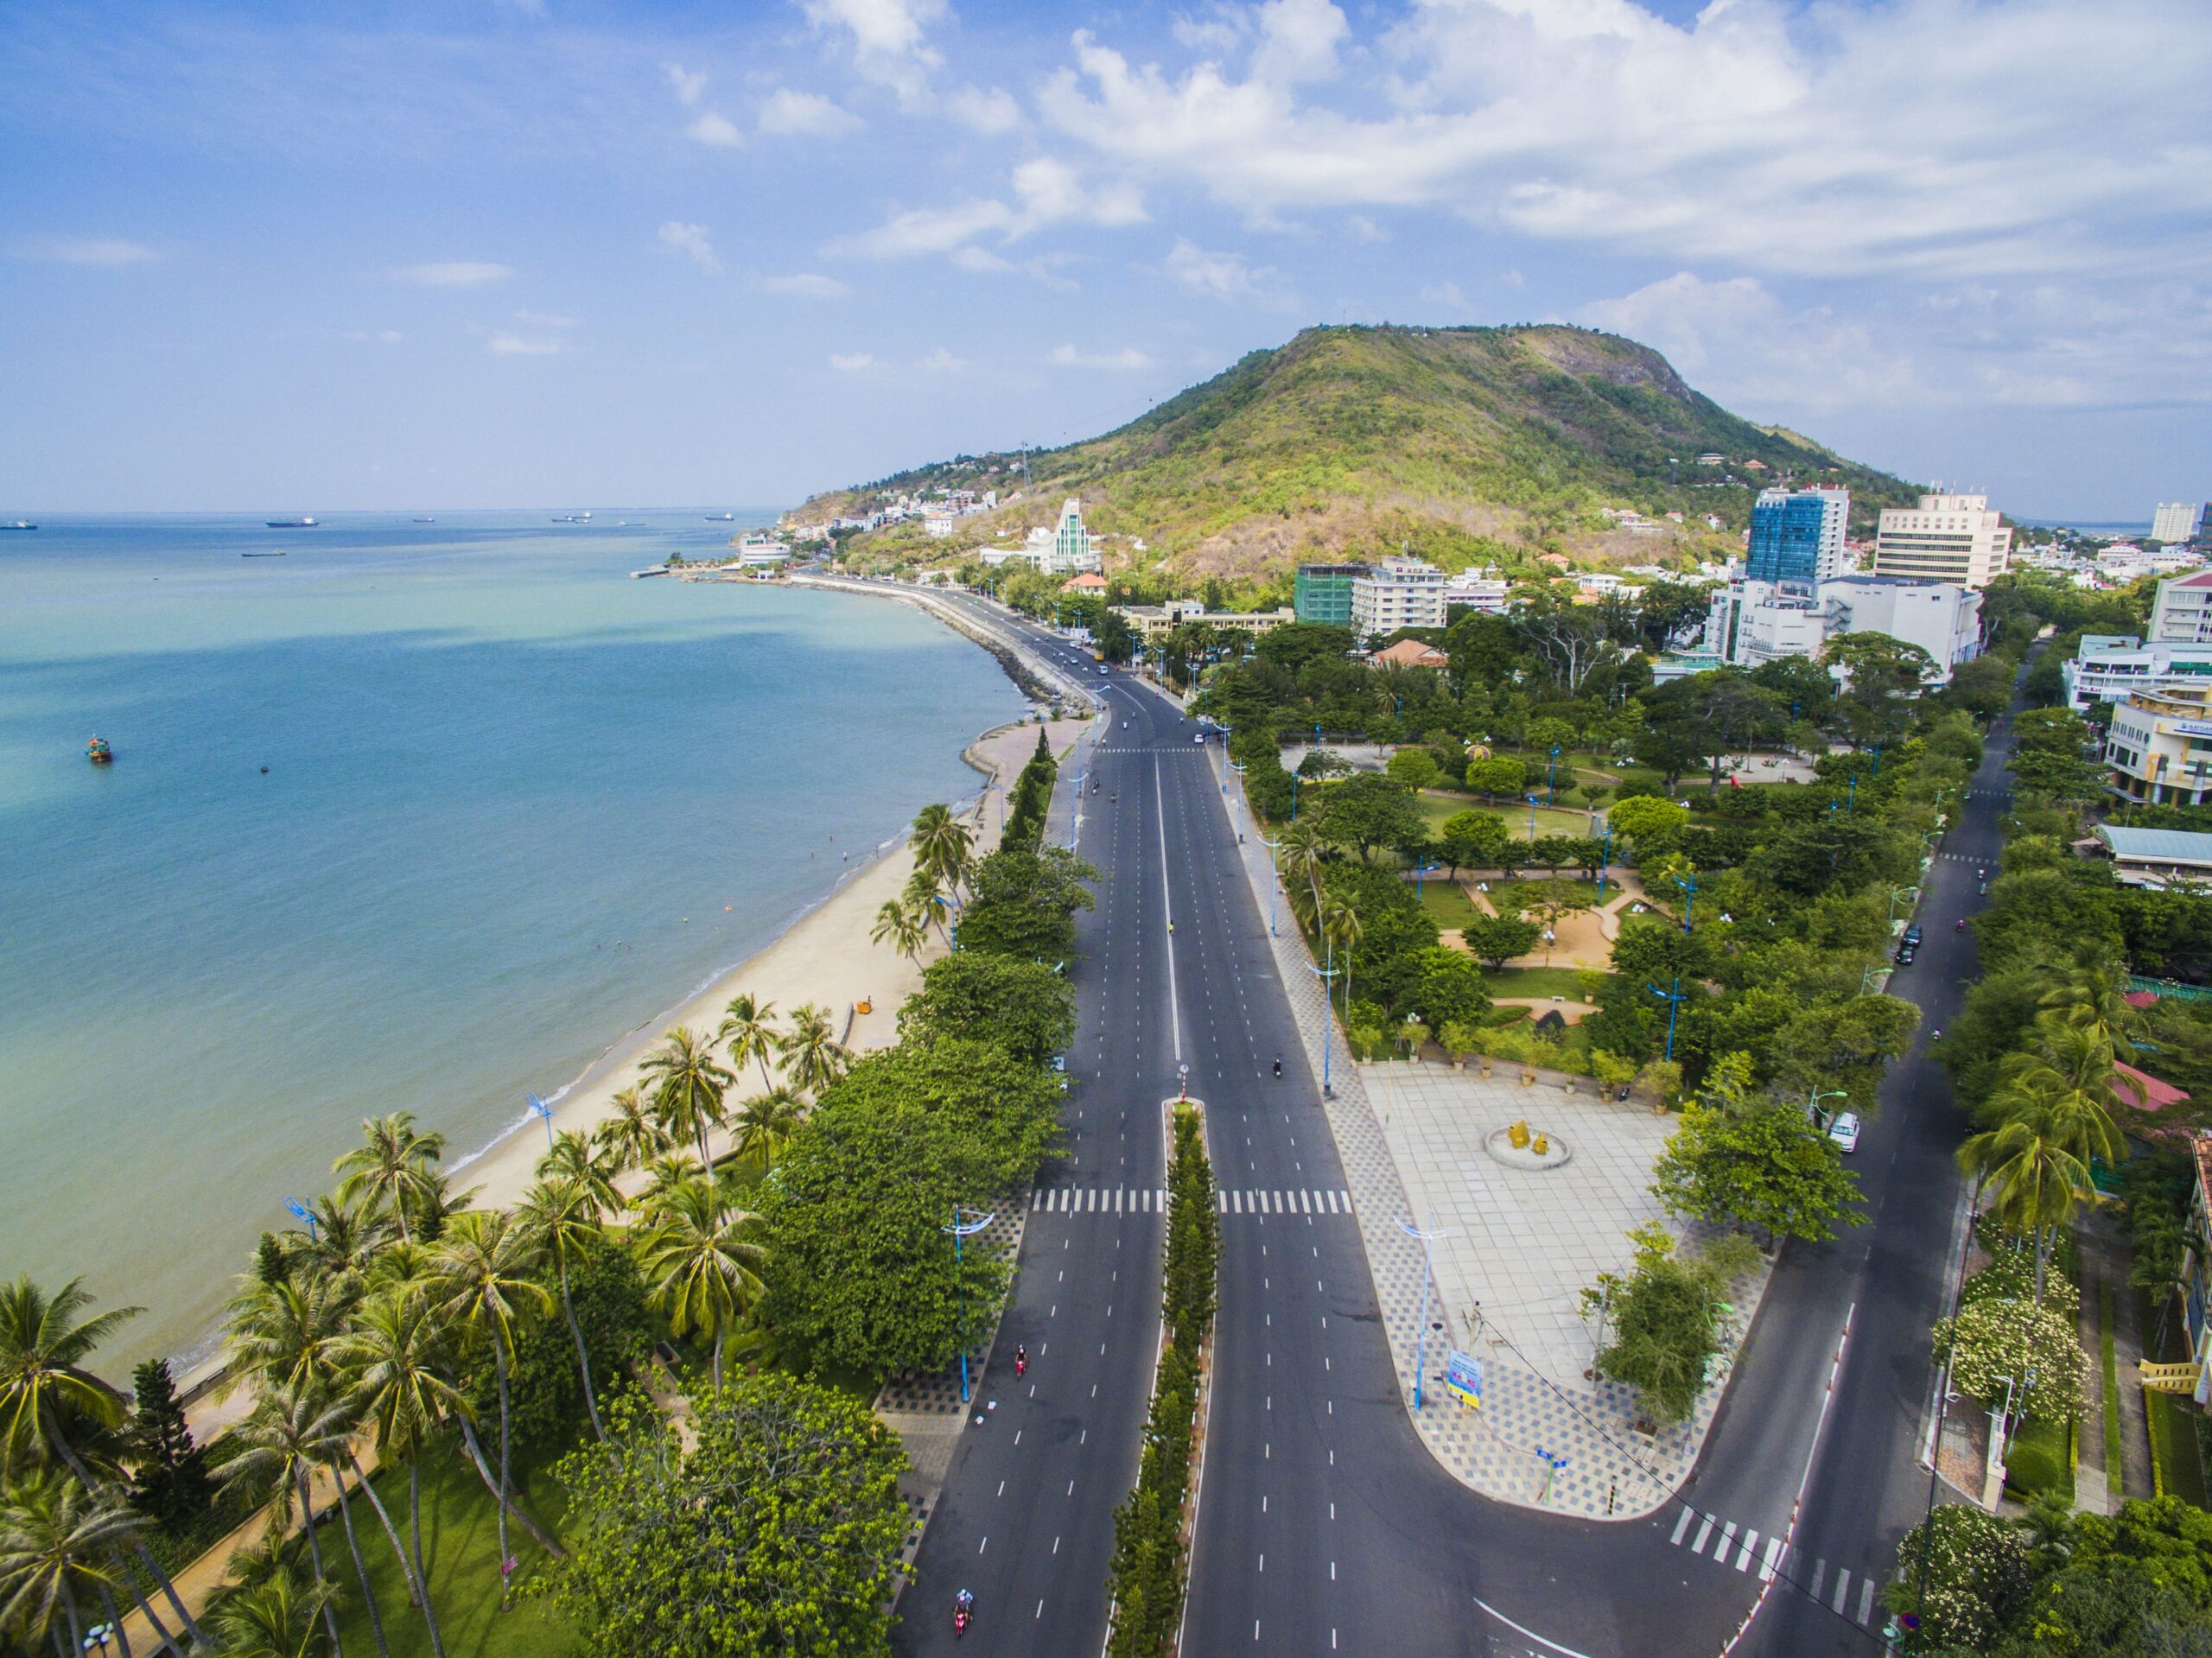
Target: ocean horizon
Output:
[{"x": 515, "y": 805}]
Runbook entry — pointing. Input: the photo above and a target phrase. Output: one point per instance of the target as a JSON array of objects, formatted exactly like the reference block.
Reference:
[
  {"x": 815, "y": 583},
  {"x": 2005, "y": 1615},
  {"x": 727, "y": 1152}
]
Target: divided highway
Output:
[{"x": 1324, "y": 1526}]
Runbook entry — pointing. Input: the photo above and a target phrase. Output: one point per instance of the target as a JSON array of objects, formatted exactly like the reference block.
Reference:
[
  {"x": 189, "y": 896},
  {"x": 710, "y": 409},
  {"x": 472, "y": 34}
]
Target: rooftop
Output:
[
  {"x": 2157, "y": 1095},
  {"x": 2156, "y": 846}
]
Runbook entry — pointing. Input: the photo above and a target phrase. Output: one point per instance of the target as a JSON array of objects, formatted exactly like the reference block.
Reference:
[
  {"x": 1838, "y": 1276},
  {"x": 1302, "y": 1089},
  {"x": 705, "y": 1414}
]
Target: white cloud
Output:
[
  {"x": 1128, "y": 358},
  {"x": 1043, "y": 267},
  {"x": 1221, "y": 275},
  {"x": 691, "y": 242},
  {"x": 1916, "y": 136},
  {"x": 851, "y": 362},
  {"x": 458, "y": 273},
  {"x": 718, "y": 131},
  {"x": 1366, "y": 229},
  {"x": 941, "y": 361},
  {"x": 112, "y": 252},
  {"x": 790, "y": 111},
  {"x": 689, "y": 83},
  {"x": 804, "y": 284},
  {"x": 503, "y": 344},
  {"x": 1048, "y": 191},
  {"x": 1447, "y": 295},
  {"x": 888, "y": 43},
  {"x": 375, "y": 336},
  {"x": 984, "y": 110}
]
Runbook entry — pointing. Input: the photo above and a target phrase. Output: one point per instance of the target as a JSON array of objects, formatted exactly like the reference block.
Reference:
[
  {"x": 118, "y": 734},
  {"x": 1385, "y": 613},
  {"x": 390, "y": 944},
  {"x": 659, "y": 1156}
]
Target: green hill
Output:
[{"x": 1471, "y": 444}]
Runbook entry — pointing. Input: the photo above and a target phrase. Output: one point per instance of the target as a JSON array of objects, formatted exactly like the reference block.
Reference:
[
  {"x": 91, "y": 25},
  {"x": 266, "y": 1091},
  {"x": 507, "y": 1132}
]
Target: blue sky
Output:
[{"x": 491, "y": 252}]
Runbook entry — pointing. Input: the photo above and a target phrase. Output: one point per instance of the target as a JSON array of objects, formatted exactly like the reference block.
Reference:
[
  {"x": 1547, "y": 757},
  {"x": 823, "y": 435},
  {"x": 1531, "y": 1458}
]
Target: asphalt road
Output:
[{"x": 1324, "y": 1525}]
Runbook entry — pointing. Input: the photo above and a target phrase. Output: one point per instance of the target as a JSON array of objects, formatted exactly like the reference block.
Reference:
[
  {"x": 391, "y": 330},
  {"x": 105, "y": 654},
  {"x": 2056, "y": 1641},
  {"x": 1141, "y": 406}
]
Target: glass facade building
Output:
[
  {"x": 1797, "y": 537},
  {"x": 1323, "y": 593}
]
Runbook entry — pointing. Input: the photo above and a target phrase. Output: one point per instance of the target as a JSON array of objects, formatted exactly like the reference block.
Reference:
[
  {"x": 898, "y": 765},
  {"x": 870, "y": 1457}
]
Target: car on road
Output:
[
  {"x": 1905, "y": 953},
  {"x": 1102, "y": 673},
  {"x": 1844, "y": 1130},
  {"x": 1912, "y": 936}
]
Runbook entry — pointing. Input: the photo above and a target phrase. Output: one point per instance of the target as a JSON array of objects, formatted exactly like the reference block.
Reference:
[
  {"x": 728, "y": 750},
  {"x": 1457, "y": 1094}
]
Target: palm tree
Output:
[
  {"x": 1301, "y": 855},
  {"x": 923, "y": 897},
  {"x": 942, "y": 845},
  {"x": 273, "y": 1619},
  {"x": 671, "y": 1169},
  {"x": 691, "y": 1087},
  {"x": 2089, "y": 995},
  {"x": 765, "y": 1123},
  {"x": 346, "y": 1236},
  {"x": 278, "y": 1447},
  {"x": 630, "y": 1136},
  {"x": 565, "y": 1214},
  {"x": 902, "y": 927},
  {"x": 698, "y": 1264},
  {"x": 573, "y": 1158},
  {"x": 392, "y": 1360},
  {"x": 43, "y": 1382},
  {"x": 392, "y": 1163},
  {"x": 749, "y": 1027},
  {"x": 280, "y": 1334},
  {"x": 1340, "y": 926},
  {"x": 2070, "y": 1078},
  {"x": 2034, "y": 1179},
  {"x": 482, "y": 1283},
  {"x": 813, "y": 1056},
  {"x": 439, "y": 1204},
  {"x": 57, "y": 1540}
]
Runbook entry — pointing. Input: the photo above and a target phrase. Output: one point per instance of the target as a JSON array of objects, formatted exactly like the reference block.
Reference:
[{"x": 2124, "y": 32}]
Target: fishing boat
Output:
[
  {"x": 98, "y": 753},
  {"x": 20, "y": 523},
  {"x": 289, "y": 523},
  {"x": 275, "y": 552},
  {"x": 722, "y": 518},
  {"x": 426, "y": 520}
]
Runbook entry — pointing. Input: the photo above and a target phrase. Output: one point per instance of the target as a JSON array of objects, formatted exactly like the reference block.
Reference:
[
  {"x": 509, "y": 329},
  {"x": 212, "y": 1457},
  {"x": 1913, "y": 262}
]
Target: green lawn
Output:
[
  {"x": 2173, "y": 1443},
  {"x": 460, "y": 1552},
  {"x": 2042, "y": 1459},
  {"x": 1508, "y": 894},
  {"x": 1534, "y": 981},
  {"x": 1447, "y": 903},
  {"x": 1437, "y": 808}
]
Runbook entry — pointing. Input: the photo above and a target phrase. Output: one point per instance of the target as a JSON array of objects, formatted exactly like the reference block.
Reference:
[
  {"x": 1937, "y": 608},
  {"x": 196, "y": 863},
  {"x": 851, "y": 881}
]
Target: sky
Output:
[{"x": 535, "y": 252}]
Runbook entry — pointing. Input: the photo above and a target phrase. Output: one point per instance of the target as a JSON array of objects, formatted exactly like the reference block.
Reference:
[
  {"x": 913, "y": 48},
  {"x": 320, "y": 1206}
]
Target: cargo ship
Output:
[{"x": 289, "y": 523}]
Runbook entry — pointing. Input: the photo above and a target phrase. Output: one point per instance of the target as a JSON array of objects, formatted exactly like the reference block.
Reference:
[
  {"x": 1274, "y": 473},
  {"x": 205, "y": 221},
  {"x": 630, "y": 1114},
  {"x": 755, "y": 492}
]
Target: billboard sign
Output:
[{"x": 1463, "y": 1375}]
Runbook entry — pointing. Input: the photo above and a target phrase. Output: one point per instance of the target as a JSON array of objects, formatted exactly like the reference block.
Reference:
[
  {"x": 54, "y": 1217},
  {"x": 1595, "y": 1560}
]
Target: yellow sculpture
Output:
[
  {"x": 1542, "y": 1146},
  {"x": 1518, "y": 1133}
]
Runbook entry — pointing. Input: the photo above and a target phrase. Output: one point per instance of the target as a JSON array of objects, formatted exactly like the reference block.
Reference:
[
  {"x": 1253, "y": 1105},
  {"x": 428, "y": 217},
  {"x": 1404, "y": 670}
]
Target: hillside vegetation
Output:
[{"x": 1471, "y": 444}]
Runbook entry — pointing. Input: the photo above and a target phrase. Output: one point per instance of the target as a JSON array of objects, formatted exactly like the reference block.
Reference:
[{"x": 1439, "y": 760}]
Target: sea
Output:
[{"x": 420, "y": 815}]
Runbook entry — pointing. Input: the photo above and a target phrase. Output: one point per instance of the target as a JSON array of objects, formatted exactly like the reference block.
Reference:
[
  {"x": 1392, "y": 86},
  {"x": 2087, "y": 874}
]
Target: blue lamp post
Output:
[
  {"x": 1328, "y": 1006},
  {"x": 1674, "y": 998},
  {"x": 1606, "y": 857},
  {"x": 1551, "y": 778},
  {"x": 1420, "y": 869},
  {"x": 965, "y": 1224},
  {"x": 1421, "y": 1335},
  {"x": 952, "y": 926},
  {"x": 1532, "y": 819},
  {"x": 543, "y": 1112},
  {"x": 1274, "y": 879},
  {"x": 1688, "y": 885},
  {"x": 302, "y": 1212}
]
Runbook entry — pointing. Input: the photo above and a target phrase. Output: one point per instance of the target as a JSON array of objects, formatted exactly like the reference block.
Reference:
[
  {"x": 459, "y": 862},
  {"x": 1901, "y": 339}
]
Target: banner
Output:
[{"x": 1463, "y": 1375}]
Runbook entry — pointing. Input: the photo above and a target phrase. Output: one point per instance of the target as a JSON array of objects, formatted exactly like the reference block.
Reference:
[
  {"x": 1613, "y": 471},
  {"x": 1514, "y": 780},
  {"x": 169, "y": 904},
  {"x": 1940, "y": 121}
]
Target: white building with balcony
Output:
[
  {"x": 1397, "y": 593},
  {"x": 1954, "y": 538}
]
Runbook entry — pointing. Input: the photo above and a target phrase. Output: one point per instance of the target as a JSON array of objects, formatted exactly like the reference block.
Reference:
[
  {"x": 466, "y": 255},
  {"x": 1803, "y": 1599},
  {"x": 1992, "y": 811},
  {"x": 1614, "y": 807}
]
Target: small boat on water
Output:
[
  {"x": 98, "y": 753},
  {"x": 276, "y": 552},
  {"x": 289, "y": 523},
  {"x": 426, "y": 520},
  {"x": 722, "y": 518},
  {"x": 20, "y": 523}
]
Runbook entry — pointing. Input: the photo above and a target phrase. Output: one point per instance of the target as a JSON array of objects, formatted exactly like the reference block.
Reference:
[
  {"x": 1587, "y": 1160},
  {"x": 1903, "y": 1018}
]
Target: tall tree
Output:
[
  {"x": 902, "y": 927},
  {"x": 689, "y": 1086},
  {"x": 942, "y": 845},
  {"x": 393, "y": 1363},
  {"x": 170, "y": 1479},
  {"x": 749, "y": 1026},
  {"x": 392, "y": 1165},
  {"x": 764, "y": 1124},
  {"x": 813, "y": 1057},
  {"x": 277, "y": 1448},
  {"x": 564, "y": 1214},
  {"x": 631, "y": 1136},
  {"x": 58, "y": 1543},
  {"x": 701, "y": 1262}
]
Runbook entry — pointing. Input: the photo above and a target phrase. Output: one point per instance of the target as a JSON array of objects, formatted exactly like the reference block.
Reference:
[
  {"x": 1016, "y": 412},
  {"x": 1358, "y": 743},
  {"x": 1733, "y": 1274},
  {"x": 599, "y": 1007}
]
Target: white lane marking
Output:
[
  {"x": 1168, "y": 912},
  {"x": 1727, "y": 1541},
  {"x": 1842, "y": 1588},
  {"x": 1527, "y": 1634},
  {"x": 1750, "y": 1542},
  {"x": 1681, "y": 1525},
  {"x": 1703, "y": 1532},
  {"x": 1773, "y": 1561},
  {"x": 1866, "y": 1600}
]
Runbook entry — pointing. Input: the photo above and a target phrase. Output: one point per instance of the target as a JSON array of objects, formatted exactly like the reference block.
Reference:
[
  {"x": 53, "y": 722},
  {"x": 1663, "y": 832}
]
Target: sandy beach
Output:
[{"x": 825, "y": 958}]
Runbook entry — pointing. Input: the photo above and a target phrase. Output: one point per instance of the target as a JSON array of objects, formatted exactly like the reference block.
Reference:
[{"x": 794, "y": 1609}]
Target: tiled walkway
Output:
[{"x": 1530, "y": 1424}]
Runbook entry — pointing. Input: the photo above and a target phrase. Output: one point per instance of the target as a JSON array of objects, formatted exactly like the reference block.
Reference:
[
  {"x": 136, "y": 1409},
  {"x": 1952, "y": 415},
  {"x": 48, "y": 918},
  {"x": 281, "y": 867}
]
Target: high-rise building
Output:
[
  {"x": 1323, "y": 593},
  {"x": 1954, "y": 538},
  {"x": 1071, "y": 548},
  {"x": 2177, "y": 521},
  {"x": 2182, "y": 611},
  {"x": 1797, "y": 537},
  {"x": 1397, "y": 593}
]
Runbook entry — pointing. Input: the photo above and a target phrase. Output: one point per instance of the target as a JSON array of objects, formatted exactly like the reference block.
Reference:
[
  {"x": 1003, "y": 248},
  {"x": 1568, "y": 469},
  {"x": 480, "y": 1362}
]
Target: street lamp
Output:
[
  {"x": 952, "y": 927},
  {"x": 1812, "y": 1104},
  {"x": 300, "y": 1211},
  {"x": 1689, "y": 885},
  {"x": 1328, "y": 1006},
  {"x": 1898, "y": 894},
  {"x": 1674, "y": 998},
  {"x": 1420, "y": 869},
  {"x": 1551, "y": 778},
  {"x": 543, "y": 1112},
  {"x": 965, "y": 1224},
  {"x": 1272, "y": 842},
  {"x": 1532, "y": 820},
  {"x": 1421, "y": 1335},
  {"x": 1606, "y": 857}
]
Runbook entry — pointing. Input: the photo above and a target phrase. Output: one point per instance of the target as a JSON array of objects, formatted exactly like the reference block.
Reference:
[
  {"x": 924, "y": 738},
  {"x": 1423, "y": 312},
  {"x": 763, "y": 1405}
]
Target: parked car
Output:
[
  {"x": 1844, "y": 1130},
  {"x": 1905, "y": 953},
  {"x": 1912, "y": 934}
]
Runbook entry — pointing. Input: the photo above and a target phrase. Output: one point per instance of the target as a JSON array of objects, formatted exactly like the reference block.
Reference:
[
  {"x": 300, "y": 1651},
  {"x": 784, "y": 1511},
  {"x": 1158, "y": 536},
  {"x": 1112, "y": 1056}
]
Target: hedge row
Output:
[{"x": 1149, "y": 1552}]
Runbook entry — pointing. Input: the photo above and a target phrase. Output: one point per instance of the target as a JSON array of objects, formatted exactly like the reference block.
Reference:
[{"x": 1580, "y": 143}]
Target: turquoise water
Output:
[{"x": 509, "y": 793}]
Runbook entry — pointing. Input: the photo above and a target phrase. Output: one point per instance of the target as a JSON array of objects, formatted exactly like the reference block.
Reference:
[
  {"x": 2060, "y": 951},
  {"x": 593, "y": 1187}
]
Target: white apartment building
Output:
[
  {"x": 1755, "y": 622},
  {"x": 1065, "y": 550},
  {"x": 2177, "y": 521},
  {"x": 2182, "y": 613},
  {"x": 1397, "y": 593},
  {"x": 1476, "y": 590},
  {"x": 1955, "y": 538},
  {"x": 2160, "y": 747},
  {"x": 2111, "y": 667}
]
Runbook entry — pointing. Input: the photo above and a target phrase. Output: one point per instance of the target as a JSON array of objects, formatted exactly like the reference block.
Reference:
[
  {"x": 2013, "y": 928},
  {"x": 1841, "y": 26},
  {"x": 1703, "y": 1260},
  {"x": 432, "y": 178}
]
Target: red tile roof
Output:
[
  {"x": 2157, "y": 1095},
  {"x": 2141, "y": 999}
]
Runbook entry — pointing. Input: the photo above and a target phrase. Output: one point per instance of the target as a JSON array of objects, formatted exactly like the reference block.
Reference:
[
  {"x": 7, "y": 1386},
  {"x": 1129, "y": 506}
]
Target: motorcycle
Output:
[
  {"x": 1278, "y": 1067},
  {"x": 1961, "y": 927},
  {"x": 1021, "y": 1360},
  {"x": 963, "y": 1612}
]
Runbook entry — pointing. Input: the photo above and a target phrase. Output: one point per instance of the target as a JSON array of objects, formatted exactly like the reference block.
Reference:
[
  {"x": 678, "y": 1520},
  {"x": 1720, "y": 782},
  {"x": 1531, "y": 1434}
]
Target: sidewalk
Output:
[{"x": 1610, "y": 1471}]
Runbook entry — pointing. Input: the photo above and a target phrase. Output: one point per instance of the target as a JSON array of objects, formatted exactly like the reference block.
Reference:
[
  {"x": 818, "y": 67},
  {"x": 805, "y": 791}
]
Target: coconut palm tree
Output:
[
  {"x": 699, "y": 1265},
  {"x": 392, "y": 1360},
  {"x": 689, "y": 1086},
  {"x": 564, "y": 1214},
  {"x": 813, "y": 1056},
  {"x": 942, "y": 845},
  {"x": 275, "y": 1618},
  {"x": 276, "y": 1451},
  {"x": 1340, "y": 926},
  {"x": 481, "y": 1282},
  {"x": 280, "y": 1334},
  {"x": 2069, "y": 1078},
  {"x": 43, "y": 1383},
  {"x": 902, "y": 927},
  {"x": 1300, "y": 857},
  {"x": 574, "y": 1159},
  {"x": 58, "y": 1543},
  {"x": 664, "y": 1174},
  {"x": 749, "y": 1027},
  {"x": 765, "y": 1123},
  {"x": 392, "y": 1165},
  {"x": 347, "y": 1235},
  {"x": 2033, "y": 1180},
  {"x": 926, "y": 899},
  {"x": 439, "y": 1204},
  {"x": 631, "y": 1136}
]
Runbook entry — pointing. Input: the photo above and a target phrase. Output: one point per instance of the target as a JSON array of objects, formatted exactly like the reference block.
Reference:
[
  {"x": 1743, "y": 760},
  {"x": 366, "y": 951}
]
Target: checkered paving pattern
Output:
[
  {"x": 1529, "y": 1425},
  {"x": 938, "y": 1395}
]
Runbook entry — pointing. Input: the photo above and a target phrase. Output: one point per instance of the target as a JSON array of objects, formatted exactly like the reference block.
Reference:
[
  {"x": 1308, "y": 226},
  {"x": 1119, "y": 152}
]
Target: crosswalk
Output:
[
  {"x": 1153, "y": 1200},
  {"x": 1742, "y": 1549}
]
